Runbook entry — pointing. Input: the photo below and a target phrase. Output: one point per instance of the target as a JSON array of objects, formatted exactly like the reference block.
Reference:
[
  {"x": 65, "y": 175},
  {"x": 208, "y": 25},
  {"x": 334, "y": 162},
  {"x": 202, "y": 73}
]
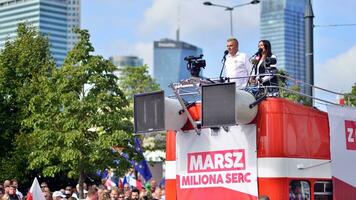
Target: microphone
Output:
[
  {"x": 225, "y": 54},
  {"x": 258, "y": 52},
  {"x": 255, "y": 57}
]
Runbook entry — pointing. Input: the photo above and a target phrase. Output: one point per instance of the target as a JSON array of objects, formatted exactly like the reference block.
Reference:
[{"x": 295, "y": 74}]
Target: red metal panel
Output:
[
  {"x": 195, "y": 112},
  {"x": 287, "y": 129},
  {"x": 171, "y": 189},
  {"x": 274, "y": 188},
  {"x": 171, "y": 145},
  {"x": 343, "y": 190}
]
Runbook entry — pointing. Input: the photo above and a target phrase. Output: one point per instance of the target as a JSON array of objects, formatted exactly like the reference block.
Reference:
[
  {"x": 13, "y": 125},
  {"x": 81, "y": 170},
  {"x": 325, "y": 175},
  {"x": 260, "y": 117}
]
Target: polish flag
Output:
[
  {"x": 109, "y": 183},
  {"x": 121, "y": 183},
  {"x": 35, "y": 192},
  {"x": 340, "y": 99},
  {"x": 135, "y": 183}
]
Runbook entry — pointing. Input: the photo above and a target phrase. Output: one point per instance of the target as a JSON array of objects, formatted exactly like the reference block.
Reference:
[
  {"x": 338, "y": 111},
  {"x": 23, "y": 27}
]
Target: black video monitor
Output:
[
  {"x": 218, "y": 104},
  {"x": 149, "y": 112}
]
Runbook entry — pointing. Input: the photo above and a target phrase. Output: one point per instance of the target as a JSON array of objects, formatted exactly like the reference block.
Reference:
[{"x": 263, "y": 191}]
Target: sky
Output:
[{"x": 129, "y": 27}]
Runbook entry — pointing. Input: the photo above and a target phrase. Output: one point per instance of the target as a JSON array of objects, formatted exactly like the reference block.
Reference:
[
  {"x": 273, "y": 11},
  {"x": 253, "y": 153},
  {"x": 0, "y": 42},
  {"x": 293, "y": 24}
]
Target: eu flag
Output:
[{"x": 141, "y": 166}]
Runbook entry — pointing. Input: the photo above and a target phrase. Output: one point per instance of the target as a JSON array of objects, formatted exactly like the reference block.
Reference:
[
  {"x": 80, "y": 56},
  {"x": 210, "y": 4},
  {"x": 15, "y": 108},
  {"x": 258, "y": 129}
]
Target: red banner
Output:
[{"x": 217, "y": 164}]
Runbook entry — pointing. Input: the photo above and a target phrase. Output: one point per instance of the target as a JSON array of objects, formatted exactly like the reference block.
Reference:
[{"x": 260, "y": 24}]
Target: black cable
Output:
[{"x": 334, "y": 25}]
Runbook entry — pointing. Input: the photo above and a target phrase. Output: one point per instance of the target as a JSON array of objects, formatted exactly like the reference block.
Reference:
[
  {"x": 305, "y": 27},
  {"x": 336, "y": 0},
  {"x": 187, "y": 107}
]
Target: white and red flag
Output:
[
  {"x": 35, "y": 192},
  {"x": 135, "y": 183},
  {"x": 342, "y": 122},
  {"x": 110, "y": 180}
]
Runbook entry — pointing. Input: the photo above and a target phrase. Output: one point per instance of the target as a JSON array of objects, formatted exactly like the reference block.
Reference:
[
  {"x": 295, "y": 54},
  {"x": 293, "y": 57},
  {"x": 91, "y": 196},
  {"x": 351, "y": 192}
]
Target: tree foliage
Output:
[
  {"x": 78, "y": 116},
  {"x": 292, "y": 92},
  {"x": 63, "y": 121},
  {"x": 135, "y": 80},
  {"x": 24, "y": 62},
  {"x": 350, "y": 98}
]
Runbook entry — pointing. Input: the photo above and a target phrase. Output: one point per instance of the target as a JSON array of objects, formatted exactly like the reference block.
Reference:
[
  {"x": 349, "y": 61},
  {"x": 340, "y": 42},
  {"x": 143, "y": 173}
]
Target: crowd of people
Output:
[
  {"x": 9, "y": 191},
  {"x": 150, "y": 191}
]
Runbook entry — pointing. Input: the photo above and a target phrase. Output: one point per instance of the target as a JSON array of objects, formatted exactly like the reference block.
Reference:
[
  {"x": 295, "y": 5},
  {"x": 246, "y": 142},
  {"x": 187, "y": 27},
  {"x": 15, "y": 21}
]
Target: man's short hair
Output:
[
  {"x": 135, "y": 190},
  {"x": 7, "y": 183},
  {"x": 13, "y": 186},
  {"x": 233, "y": 40}
]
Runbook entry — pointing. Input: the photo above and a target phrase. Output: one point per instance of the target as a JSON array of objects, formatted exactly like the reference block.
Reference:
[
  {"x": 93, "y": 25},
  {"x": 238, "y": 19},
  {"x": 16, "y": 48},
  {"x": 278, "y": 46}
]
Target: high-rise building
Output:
[
  {"x": 50, "y": 17},
  {"x": 169, "y": 65},
  {"x": 121, "y": 61},
  {"x": 282, "y": 23},
  {"x": 73, "y": 21}
]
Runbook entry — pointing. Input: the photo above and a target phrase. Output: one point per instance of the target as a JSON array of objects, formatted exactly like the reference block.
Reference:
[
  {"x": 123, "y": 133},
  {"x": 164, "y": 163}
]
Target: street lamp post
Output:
[{"x": 230, "y": 8}]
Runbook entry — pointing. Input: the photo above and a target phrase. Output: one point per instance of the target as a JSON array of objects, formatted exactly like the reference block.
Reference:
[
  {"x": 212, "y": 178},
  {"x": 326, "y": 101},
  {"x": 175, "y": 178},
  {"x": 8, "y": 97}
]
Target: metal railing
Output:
[{"x": 190, "y": 87}]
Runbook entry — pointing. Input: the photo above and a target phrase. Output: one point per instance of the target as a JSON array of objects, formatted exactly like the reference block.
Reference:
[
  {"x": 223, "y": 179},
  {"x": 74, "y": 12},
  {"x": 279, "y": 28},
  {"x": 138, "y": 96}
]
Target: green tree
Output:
[
  {"x": 135, "y": 80},
  {"x": 24, "y": 62},
  {"x": 78, "y": 116},
  {"x": 350, "y": 98},
  {"x": 290, "y": 92}
]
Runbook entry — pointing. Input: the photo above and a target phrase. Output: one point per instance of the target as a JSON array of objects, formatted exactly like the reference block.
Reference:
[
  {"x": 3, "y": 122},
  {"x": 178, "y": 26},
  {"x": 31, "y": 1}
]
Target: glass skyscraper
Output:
[
  {"x": 169, "y": 65},
  {"x": 73, "y": 21},
  {"x": 122, "y": 61},
  {"x": 282, "y": 23},
  {"x": 50, "y": 17}
]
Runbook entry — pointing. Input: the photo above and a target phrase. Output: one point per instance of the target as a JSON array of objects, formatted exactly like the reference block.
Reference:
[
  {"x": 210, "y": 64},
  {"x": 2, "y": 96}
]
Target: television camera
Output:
[{"x": 194, "y": 64}]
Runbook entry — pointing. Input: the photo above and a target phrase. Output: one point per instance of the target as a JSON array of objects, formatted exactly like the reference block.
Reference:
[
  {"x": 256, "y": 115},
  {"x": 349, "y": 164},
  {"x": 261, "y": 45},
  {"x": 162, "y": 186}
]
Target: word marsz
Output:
[{"x": 211, "y": 161}]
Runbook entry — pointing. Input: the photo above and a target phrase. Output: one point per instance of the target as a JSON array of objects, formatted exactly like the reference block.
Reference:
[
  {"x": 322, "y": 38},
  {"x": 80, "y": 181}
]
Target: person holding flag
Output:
[
  {"x": 142, "y": 166},
  {"x": 35, "y": 192}
]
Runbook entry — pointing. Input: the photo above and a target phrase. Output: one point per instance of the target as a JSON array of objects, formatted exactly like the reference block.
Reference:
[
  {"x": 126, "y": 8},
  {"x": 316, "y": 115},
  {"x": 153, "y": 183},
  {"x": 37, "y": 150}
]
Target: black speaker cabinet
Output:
[
  {"x": 218, "y": 104},
  {"x": 149, "y": 112}
]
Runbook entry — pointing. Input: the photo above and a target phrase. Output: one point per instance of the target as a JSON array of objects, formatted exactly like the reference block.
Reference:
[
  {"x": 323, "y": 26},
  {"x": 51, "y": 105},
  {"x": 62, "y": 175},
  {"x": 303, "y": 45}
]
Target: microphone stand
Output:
[
  {"x": 254, "y": 66},
  {"x": 222, "y": 69},
  {"x": 252, "y": 69}
]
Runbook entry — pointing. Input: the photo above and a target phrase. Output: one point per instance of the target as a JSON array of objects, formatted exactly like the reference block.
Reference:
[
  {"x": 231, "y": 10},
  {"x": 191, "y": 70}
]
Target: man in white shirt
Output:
[{"x": 237, "y": 64}]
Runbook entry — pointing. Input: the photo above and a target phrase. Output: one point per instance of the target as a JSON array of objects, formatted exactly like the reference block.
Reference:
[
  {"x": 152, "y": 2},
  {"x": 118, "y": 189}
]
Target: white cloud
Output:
[
  {"x": 339, "y": 73},
  {"x": 195, "y": 19},
  {"x": 145, "y": 51},
  {"x": 161, "y": 13},
  {"x": 207, "y": 27}
]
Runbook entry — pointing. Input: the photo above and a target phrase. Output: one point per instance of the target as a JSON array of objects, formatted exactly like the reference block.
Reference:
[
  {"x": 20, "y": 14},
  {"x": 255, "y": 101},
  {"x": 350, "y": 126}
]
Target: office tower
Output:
[
  {"x": 73, "y": 19},
  {"x": 169, "y": 65},
  {"x": 50, "y": 17},
  {"x": 122, "y": 61},
  {"x": 282, "y": 23}
]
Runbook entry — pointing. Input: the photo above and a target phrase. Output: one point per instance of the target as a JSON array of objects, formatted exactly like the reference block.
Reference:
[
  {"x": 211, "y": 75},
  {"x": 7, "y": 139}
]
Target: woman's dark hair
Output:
[{"x": 268, "y": 47}]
